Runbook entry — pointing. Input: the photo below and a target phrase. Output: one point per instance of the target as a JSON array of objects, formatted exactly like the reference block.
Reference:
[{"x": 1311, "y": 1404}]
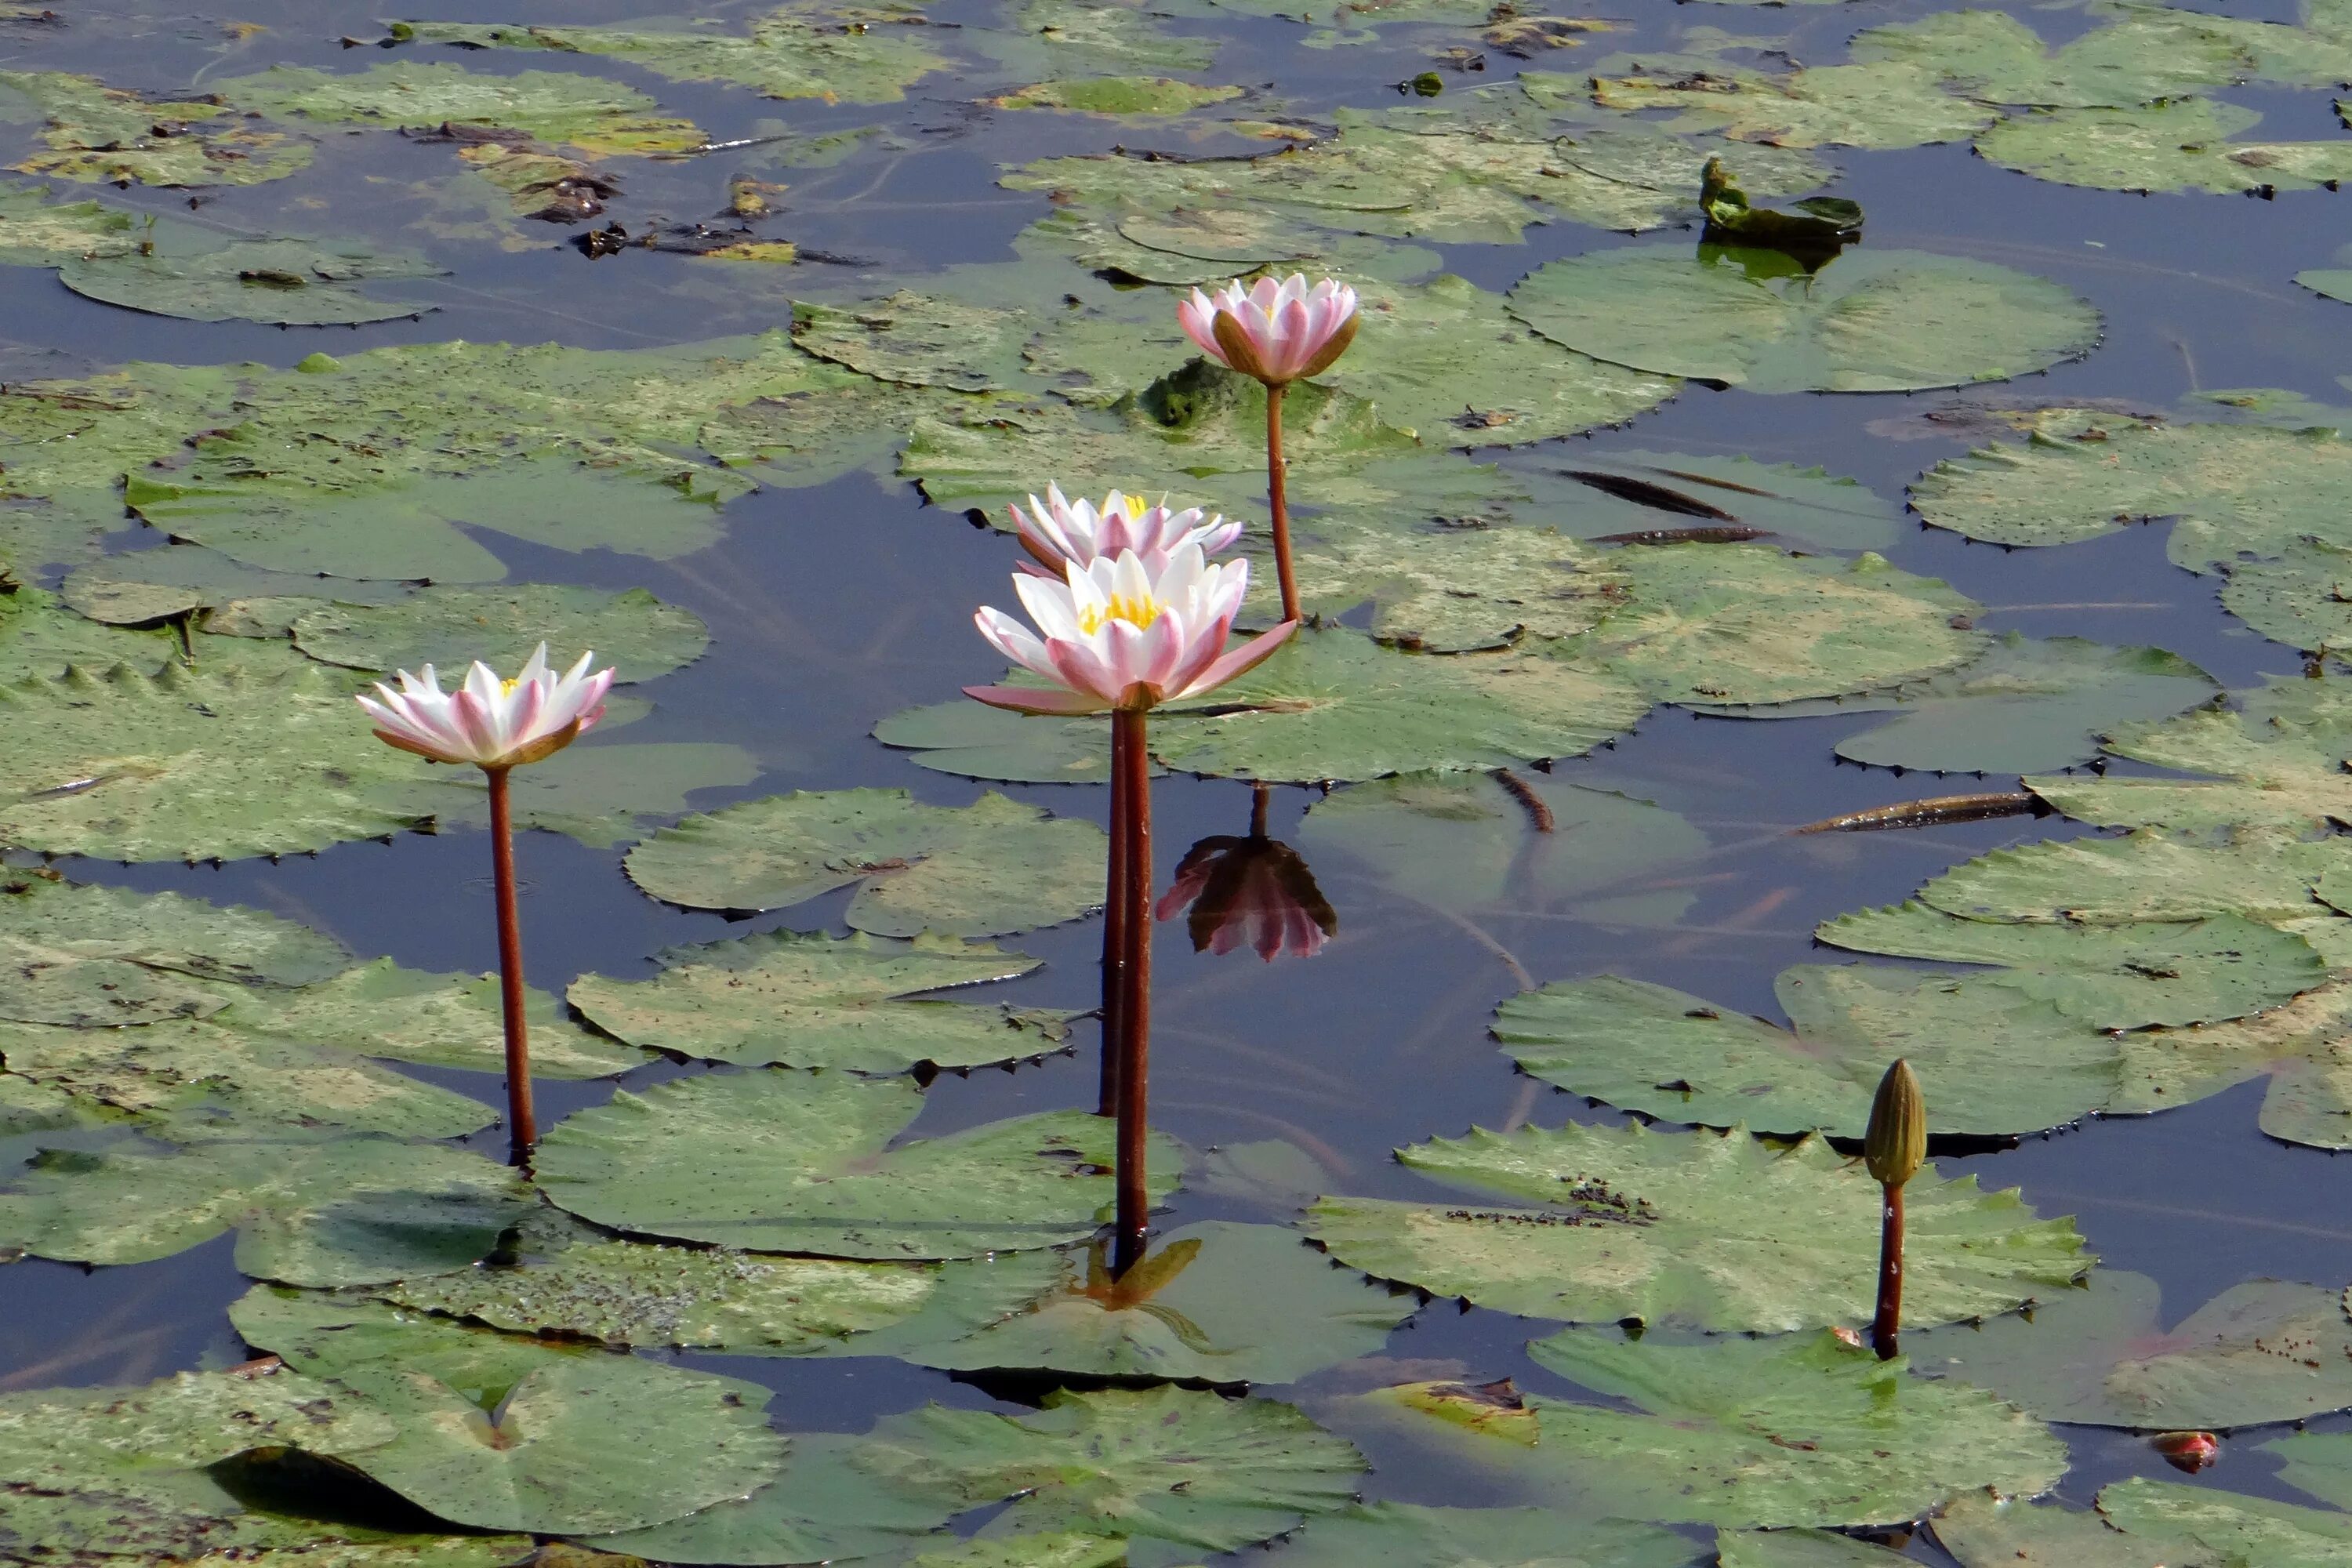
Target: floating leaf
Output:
[
  {"x": 1060, "y": 1549},
  {"x": 2226, "y": 1527},
  {"x": 194, "y": 766},
  {"x": 786, "y": 999},
  {"x": 825, "y": 1507},
  {"x": 984, "y": 869},
  {"x": 149, "y": 587},
  {"x": 2263, "y": 1351},
  {"x": 1448, "y": 590},
  {"x": 1407, "y": 1535},
  {"x": 1214, "y": 1302},
  {"x": 2304, "y": 599},
  {"x": 1156, "y": 96},
  {"x": 2278, "y": 762},
  {"x": 451, "y": 628},
  {"x": 97, "y": 956},
  {"x": 40, "y": 638},
  {"x": 1997, "y": 1063},
  {"x": 2148, "y": 876},
  {"x": 1466, "y": 842},
  {"x": 42, "y": 232},
  {"x": 2177, "y": 144},
  {"x": 1992, "y": 56},
  {"x": 1165, "y": 1465},
  {"x": 1878, "y": 104},
  {"x": 1800, "y": 1549},
  {"x": 1886, "y": 321},
  {"x": 1746, "y": 623},
  {"x": 1801, "y": 1431},
  {"x": 594, "y": 115},
  {"x": 983, "y": 742},
  {"x": 1981, "y": 1530},
  {"x": 2305, "y": 1049},
  {"x": 599, "y": 792},
  {"x": 96, "y": 132},
  {"x": 1716, "y": 1231},
  {"x": 1631, "y": 492},
  {"x": 919, "y": 340},
  {"x": 795, "y": 1161},
  {"x": 2108, "y": 976},
  {"x": 1046, "y": 39},
  {"x": 279, "y": 283},
  {"x": 354, "y": 1211}
]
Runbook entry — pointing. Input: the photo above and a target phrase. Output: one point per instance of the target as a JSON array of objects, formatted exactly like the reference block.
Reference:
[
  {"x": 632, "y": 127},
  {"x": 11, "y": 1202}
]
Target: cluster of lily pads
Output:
[{"x": 456, "y": 1362}]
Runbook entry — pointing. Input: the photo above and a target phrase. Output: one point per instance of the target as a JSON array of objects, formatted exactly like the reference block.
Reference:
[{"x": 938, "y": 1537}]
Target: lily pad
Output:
[
  {"x": 2239, "y": 492},
  {"x": 1448, "y": 590},
  {"x": 599, "y": 792},
  {"x": 1632, "y": 492},
  {"x": 982, "y": 742},
  {"x": 2304, "y": 1048},
  {"x": 786, "y": 999},
  {"x": 190, "y": 766},
  {"x": 1407, "y": 1535},
  {"x": 2263, "y": 1351},
  {"x": 2146, "y": 876},
  {"x": 1215, "y": 1302},
  {"x": 1149, "y": 97},
  {"x": 2177, "y": 144},
  {"x": 1800, "y": 1549},
  {"x": 279, "y": 283},
  {"x": 1466, "y": 841},
  {"x": 2299, "y": 599},
  {"x": 986, "y": 869},
  {"x": 40, "y": 638},
  {"x": 633, "y": 631},
  {"x": 824, "y": 1507},
  {"x": 1161, "y": 1466},
  {"x": 774, "y": 1160},
  {"x": 1883, "y": 320},
  {"x": 1995, "y": 1062},
  {"x": 919, "y": 340},
  {"x": 1880, "y": 104},
  {"x": 1981, "y": 1530},
  {"x": 591, "y": 114},
  {"x": 2228, "y": 1527},
  {"x": 1783, "y": 1432},
  {"x": 41, "y": 233},
  {"x": 350, "y": 1212},
  {"x": 95, "y": 132},
  {"x": 1714, "y": 1231},
  {"x": 2111, "y": 977},
  {"x": 1992, "y": 56},
  {"x": 1745, "y": 623},
  {"x": 150, "y": 586},
  {"x": 97, "y": 956},
  {"x": 2279, "y": 762},
  {"x": 2022, "y": 705}
]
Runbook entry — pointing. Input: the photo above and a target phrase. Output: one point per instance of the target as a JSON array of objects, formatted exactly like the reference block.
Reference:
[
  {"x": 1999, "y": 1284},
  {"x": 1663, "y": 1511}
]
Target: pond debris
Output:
[
  {"x": 1932, "y": 812},
  {"x": 2190, "y": 1451}
]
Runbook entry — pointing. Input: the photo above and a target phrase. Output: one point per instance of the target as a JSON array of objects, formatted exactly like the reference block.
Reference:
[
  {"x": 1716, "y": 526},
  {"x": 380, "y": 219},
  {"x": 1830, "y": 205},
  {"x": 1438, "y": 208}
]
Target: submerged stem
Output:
[
  {"x": 1889, "y": 1320},
  {"x": 1131, "y": 778},
  {"x": 1278, "y": 501},
  {"x": 522, "y": 1124},
  {"x": 1261, "y": 798}
]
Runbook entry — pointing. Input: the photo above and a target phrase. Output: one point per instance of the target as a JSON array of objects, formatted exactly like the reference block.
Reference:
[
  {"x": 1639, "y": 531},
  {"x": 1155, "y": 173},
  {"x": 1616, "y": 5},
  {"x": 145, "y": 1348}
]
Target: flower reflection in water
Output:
[{"x": 1251, "y": 890}]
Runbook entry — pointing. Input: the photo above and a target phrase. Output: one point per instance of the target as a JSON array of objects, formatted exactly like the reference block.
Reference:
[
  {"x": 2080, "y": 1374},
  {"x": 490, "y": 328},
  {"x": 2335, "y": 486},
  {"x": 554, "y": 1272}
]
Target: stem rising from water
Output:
[
  {"x": 1889, "y": 1320},
  {"x": 1279, "y": 501},
  {"x": 522, "y": 1123},
  {"x": 1131, "y": 808}
]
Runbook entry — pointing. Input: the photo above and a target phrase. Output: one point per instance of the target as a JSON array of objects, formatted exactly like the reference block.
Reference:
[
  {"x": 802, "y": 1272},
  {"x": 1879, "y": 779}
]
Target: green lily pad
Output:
[
  {"x": 1992, "y": 56},
  {"x": 599, "y": 792},
  {"x": 41, "y": 638},
  {"x": 350, "y": 1212},
  {"x": 919, "y": 340},
  {"x": 986, "y": 869},
  {"x": 2333, "y": 282},
  {"x": 845, "y": 54},
  {"x": 1785, "y": 1432},
  {"x": 41, "y": 233},
  {"x": 95, "y": 132},
  {"x": 785, "y": 999},
  {"x": 633, "y": 631},
  {"x": 1465, "y": 842},
  {"x": 2022, "y": 705},
  {"x": 182, "y": 1422},
  {"x": 1714, "y": 624},
  {"x": 591, "y": 114},
  {"x": 1055, "y": 1549},
  {"x": 1887, "y": 320},
  {"x": 1161, "y": 1466},
  {"x": 825, "y": 1507},
  {"x": 498, "y": 1433},
  {"x": 2239, "y": 490},
  {"x": 2108, "y": 976},
  {"x": 1715, "y": 1231},
  {"x": 1215, "y": 1302},
  {"x": 2226, "y": 1527},
  {"x": 2177, "y": 144},
  {"x": 1449, "y": 590},
  {"x": 1407, "y": 1535},
  {"x": 150, "y": 586},
  {"x": 1994, "y": 1062},
  {"x": 2146, "y": 876},
  {"x": 2299, "y": 599},
  {"x": 1800, "y": 1549},
  {"x": 2263, "y": 1351},
  {"x": 1878, "y": 104},
  {"x": 2278, "y": 762},
  {"x": 133, "y": 767},
  {"x": 2304, "y": 1048},
  {"x": 98, "y": 956},
  {"x": 1154, "y": 97},
  {"x": 1056, "y": 38},
  {"x": 1632, "y": 492},
  {"x": 574, "y": 1282},
  {"x": 279, "y": 283},
  {"x": 982, "y": 742},
  {"x": 774, "y": 1161},
  {"x": 1981, "y": 1530}
]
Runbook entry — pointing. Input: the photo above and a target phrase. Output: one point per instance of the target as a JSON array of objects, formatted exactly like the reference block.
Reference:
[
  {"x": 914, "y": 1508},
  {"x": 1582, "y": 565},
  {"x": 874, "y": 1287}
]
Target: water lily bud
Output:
[
  {"x": 2191, "y": 1451},
  {"x": 1896, "y": 1144}
]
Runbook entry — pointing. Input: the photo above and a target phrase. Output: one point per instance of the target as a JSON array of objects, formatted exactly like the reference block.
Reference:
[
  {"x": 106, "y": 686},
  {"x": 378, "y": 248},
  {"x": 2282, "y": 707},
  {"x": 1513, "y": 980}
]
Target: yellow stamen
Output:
[
  {"x": 1136, "y": 505},
  {"x": 1136, "y": 613},
  {"x": 508, "y": 686}
]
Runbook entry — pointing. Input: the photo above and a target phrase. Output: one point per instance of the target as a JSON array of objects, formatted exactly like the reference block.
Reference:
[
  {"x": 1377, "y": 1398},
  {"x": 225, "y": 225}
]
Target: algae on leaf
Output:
[
  {"x": 2279, "y": 762},
  {"x": 1409, "y": 1535},
  {"x": 1706, "y": 1230},
  {"x": 778, "y": 1161},
  {"x": 279, "y": 283},
  {"x": 986, "y": 869},
  {"x": 2175, "y": 144},
  {"x": 590, "y": 113},
  {"x": 2228, "y": 1527},
  {"x": 1140, "y": 97},
  {"x": 633, "y": 632},
  {"x": 1880, "y": 104},
  {"x": 1992, "y": 56},
  {"x": 95, "y": 132}
]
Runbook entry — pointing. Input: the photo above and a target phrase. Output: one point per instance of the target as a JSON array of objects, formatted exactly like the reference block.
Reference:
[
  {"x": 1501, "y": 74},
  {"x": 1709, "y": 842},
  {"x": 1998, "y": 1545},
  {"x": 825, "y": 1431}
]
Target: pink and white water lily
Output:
[
  {"x": 489, "y": 721},
  {"x": 1058, "y": 532},
  {"x": 1115, "y": 634},
  {"x": 1278, "y": 332}
]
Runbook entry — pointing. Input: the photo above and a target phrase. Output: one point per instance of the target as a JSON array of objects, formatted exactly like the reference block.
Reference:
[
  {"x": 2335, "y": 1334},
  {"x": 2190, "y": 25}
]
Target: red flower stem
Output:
[
  {"x": 1132, "y": 776},
  {"x": 1261, "y": 796},
  {"x": 1280, "y": 502},
  {"x": 522, "y": 1125},
  {"x": 1114, "y": 954},
  {"x": 1889, "y": 1320}
]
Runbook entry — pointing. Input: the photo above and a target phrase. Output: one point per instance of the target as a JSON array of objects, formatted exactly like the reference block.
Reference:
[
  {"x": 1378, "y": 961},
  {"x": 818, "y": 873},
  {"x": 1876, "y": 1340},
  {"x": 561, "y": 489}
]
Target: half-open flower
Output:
[
  {"x": 489, "y": 722},
  {"x": 1059, "y": 533},
  {"x": 1113, "y": 634},
  {"x": 1277, "y": 331}
]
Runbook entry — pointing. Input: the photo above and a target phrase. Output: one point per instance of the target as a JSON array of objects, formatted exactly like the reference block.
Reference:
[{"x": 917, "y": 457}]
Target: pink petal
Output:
[
  {"x": 1035, "y": 700},
  {"x": 1240, "y": 661}
]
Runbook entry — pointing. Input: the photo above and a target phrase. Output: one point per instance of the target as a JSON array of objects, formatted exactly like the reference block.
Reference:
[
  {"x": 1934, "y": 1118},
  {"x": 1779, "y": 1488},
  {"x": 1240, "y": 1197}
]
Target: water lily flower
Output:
[
  {"x": 1275, "y": 332},
  {"x": 1115, "y": 634},
  {"x": 497, "y": 725},
  {"x": 1251, "y": 889},
  {"x": 491, "y": 723},
  {"x": 1059, "y": 533}
]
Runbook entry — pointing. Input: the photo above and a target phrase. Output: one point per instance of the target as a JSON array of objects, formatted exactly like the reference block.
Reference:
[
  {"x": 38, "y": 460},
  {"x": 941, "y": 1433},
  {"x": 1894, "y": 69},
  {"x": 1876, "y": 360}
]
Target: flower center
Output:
[{"x": 1136, "y": 613}]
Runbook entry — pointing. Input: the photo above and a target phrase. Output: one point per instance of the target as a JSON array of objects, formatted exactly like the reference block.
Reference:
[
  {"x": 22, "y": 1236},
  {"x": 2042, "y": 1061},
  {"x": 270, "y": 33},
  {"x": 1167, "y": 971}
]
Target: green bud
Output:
[{"x": 1896, "y": 1144}]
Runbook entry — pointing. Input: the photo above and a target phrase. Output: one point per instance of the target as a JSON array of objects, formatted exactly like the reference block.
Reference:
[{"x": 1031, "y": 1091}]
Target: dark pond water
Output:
[{"x": 833, "y": 606}]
